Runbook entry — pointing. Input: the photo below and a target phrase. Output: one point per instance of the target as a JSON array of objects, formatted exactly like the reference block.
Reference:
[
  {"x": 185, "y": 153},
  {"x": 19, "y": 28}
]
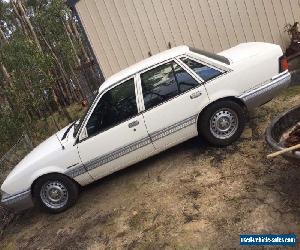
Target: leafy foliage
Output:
[{"x": 41, "y": 59}]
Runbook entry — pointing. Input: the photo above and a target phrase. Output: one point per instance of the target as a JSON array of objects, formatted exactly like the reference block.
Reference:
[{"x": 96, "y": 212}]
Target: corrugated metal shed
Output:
[{"x": 123, "y": 32}]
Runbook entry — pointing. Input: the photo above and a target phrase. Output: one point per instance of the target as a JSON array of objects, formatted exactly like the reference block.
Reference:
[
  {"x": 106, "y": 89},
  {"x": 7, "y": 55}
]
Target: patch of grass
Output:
[{"x": 291, "y": 92}]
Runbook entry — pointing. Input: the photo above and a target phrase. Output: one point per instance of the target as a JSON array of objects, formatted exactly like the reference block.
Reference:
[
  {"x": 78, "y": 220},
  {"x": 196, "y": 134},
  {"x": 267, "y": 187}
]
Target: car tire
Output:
[
  {"x": 55, "y": 193},
  {"x": 222, "y": 123}
]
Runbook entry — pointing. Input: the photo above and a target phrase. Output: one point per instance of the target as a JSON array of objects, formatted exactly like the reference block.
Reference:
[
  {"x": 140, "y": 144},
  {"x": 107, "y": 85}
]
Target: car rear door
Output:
[
  {"x": 173, "y": 97},
  {"x": 115, "y": 134}
]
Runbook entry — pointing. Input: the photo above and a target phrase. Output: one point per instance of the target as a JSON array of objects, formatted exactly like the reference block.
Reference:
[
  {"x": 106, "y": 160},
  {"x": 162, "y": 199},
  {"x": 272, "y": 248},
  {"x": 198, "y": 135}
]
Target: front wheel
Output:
[
  {"x": 55, "y": 193},
  {"x": 222, "y": 123}
]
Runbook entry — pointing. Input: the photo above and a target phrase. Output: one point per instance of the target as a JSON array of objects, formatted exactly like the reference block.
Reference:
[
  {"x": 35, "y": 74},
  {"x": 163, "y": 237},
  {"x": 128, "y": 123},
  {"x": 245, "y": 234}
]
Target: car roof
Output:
[{"x": 146, "y": 63}]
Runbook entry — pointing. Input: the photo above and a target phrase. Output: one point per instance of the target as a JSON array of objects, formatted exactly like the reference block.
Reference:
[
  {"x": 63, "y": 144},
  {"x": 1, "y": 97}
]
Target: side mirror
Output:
[{"x": 83, "y": 135}]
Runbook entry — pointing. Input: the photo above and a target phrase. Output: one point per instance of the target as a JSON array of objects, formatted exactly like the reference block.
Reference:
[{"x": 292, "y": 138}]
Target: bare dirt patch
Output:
[{"x": 191, "y": 196}]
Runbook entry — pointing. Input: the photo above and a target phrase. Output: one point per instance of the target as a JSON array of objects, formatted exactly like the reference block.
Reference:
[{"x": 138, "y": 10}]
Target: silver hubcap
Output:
[
  {"x": 54, "y": 194},
  {"x": 224, "y": 123}
]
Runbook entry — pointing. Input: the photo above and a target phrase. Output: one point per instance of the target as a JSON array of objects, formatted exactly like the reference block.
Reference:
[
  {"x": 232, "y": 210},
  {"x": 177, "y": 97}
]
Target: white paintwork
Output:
[
  {"x": 115, "y": 138},
  {"x": 48, "y": 157},
  {"x": 252, "y": 64},
  {"x": 249, "y": 69},
  {"x": 173, "y": 112},
  {"x": 248, "y": 50}
]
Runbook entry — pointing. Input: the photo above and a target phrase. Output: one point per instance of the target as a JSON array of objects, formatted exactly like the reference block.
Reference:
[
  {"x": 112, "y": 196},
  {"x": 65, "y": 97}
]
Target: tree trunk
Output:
[
  {"x": 8, "y": 83},
  {"x": 60, "y": 67},
  {"x": 2, "y": 36},
  {"x": 61, "y": 107},
  {"x": 82, "y": 95},
  {"x": 55, "y": 98},
  {"x": 20, "y": 11},
  {"x": 6, "y": 97},
  {"x": 69, "y": 33},
  {"x": 6, "y": 75},
  {"x": 58, "y": 90},
  {"x": 30, "y": 27},
  {"x": 19, "y": 17},
  {"x": 87, "y": 55},
  {"x": 78, "y": 37}
]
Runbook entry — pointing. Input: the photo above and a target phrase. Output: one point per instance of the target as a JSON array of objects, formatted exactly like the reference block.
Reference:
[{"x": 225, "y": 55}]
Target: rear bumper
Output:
[
  {"x": 267, "y": 91},
  {"x": 18, "y": 202}
]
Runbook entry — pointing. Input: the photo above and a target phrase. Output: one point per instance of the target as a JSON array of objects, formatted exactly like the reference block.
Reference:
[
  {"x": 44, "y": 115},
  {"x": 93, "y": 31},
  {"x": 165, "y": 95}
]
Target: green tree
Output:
[{"x": 43, "y": 63}]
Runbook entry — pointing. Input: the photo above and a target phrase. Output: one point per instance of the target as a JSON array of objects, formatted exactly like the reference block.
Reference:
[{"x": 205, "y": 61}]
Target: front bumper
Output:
[
  {"x": 18, "y": 202},
  {"x": 267, "y": 91}
]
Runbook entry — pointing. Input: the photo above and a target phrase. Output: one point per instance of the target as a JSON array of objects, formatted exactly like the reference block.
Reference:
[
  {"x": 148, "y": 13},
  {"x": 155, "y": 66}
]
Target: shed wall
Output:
[{"x": 123, "y": 32}]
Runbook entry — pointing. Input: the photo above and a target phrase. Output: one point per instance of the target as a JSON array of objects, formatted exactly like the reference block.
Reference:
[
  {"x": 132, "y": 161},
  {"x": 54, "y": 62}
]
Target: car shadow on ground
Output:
[{"x": 195, "y": 145}]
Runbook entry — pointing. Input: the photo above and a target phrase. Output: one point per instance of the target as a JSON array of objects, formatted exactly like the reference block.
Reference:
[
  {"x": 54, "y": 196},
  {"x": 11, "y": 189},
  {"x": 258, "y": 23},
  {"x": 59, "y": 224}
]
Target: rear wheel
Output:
[
  {"x": 222, "y": 123},
  {"x": 55, "y": 193}
]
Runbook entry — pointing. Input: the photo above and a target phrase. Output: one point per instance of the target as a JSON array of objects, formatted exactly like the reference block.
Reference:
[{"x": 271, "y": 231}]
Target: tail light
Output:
[{"x": 283, "y": 64}]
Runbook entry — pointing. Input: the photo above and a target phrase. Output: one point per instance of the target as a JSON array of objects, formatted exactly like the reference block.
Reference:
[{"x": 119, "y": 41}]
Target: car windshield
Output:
[{"x": 214, "y": 56}]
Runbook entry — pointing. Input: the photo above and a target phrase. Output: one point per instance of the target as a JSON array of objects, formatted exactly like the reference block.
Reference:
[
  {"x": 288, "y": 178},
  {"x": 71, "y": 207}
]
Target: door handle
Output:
[
  {"x": 195, "y": 95},
  {"x": 133, "y": 124}
]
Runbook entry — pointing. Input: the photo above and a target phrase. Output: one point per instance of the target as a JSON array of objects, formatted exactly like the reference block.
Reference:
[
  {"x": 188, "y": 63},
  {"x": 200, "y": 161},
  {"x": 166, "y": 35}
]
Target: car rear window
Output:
[
  {"x": 214, "y": 56},
  {"x": 205, "y": 72}
]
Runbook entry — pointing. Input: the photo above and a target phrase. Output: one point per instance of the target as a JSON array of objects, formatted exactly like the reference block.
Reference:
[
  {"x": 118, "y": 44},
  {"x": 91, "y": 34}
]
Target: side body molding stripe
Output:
[
  {"x": 16, "y": 197},
  {"x": 18, "y": 202},
  {"x": 104, "y": 159},
  {"x": 265, "y": 92}
]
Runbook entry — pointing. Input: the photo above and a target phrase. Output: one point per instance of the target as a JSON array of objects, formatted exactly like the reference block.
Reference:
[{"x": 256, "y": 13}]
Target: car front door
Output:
[
  {"x": 173, "y": 99},
  {"x": 115, "y": 135}
]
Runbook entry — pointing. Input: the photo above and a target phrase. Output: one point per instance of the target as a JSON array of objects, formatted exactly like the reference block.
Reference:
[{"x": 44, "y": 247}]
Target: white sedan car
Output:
[{"x": 145, "y": 109}]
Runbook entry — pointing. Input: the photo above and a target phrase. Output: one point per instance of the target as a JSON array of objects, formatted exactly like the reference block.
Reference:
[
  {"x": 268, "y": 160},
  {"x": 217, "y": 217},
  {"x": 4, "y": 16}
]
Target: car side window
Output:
[
  {"x": 165, "y": 82},
  {"x": 115, "y": 106},
  {"x": 184, "y": 79},
  {"x": 205, "y": 72}
]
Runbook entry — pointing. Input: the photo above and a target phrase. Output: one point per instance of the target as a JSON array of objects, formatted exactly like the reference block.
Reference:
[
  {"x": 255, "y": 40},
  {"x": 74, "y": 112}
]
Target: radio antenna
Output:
[
  {"x": 56, "y": 125},
  {"x": 46, "y": 103}
]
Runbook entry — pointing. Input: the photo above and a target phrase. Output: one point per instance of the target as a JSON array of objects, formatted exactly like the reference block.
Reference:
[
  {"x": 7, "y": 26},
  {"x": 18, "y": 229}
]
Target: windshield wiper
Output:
[{"x": 67, "y": 131}]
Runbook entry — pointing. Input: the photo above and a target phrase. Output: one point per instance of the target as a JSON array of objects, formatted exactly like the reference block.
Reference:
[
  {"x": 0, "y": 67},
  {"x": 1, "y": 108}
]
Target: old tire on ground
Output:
[
  {"x": 55, "y": 193},
  {"x": 222, "y": 122}
]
